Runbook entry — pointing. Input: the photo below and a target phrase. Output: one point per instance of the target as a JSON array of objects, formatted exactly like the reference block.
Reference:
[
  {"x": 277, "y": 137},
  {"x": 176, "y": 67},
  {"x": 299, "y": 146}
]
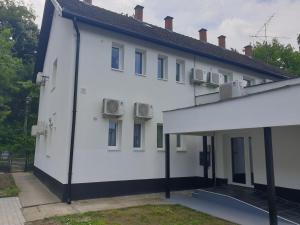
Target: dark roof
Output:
[{"x": 105, "y": 19}]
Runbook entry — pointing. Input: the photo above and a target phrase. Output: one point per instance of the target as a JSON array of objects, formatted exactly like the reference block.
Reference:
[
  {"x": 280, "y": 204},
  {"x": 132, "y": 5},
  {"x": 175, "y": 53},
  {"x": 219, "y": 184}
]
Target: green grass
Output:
[
  {"x": 143, "y": 215},
  {"x": 8, "y": 187}
]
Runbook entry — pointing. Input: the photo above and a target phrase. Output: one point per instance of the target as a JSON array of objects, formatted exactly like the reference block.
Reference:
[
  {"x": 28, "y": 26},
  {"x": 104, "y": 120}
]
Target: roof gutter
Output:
[
  {"x": 70, "y": 15},
  {"x": 74, "y": 113}
]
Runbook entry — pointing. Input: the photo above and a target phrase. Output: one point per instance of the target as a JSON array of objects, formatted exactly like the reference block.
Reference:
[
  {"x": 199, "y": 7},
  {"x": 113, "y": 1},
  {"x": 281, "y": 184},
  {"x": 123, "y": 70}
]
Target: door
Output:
[
  {"x": 239, "y": 161},
  {"x": 238, "y": 165}
]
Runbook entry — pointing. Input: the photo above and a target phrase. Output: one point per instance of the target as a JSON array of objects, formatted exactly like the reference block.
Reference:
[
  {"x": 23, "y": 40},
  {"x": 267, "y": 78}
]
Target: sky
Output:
[{"x": 238, "y": 20}]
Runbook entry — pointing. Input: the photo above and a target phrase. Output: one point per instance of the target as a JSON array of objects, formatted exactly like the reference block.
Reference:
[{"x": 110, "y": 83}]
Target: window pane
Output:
[
  {"x": 160, "y": 136},
  {"x": 178, "y": 141},
  {"x": 178, "y": 72},
  {"x": 115, "y": 59},
  {"x": 160, "y": 68},
  {"x": 138, "y": 63},
  {"x": 112, "y": 133},
  {"x": 137, "y": 136}
]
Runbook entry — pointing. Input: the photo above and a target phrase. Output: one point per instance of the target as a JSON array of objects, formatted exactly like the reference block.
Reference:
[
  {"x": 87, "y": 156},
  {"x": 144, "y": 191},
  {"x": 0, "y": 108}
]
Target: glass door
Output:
[{"x": 238, "y": 160}]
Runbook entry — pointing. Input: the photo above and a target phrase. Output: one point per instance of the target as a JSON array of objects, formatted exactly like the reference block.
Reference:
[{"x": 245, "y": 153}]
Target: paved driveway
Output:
[
  {"x": 10, "y": 212},
  {"x": 32, "y": 191}
]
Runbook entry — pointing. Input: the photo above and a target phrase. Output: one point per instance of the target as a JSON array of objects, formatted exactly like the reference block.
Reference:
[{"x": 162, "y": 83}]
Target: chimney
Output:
[
  {"x": 203, "y": 35},
  {"x": 248, "y": 51},
  {"x": 169, "y": 23},
  {"x": 138, "y": 14},
  {"x": 90, "y": 2},
  {"x": 222, "y": 41}
]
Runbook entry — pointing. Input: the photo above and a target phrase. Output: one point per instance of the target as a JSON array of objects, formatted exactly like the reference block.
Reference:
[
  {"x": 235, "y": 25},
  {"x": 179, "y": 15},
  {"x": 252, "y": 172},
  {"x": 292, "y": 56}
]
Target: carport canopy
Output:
[
  {"x": 265, "y": 109},
  {"x": 276, "y": 107}
]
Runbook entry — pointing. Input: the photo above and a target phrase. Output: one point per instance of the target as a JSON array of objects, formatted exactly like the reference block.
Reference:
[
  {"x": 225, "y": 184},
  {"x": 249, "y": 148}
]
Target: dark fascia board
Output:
[
  {"x": 70, "y": 15},
  {"x": 44, "y": 38},
  {"x": 88, "y": 21}
]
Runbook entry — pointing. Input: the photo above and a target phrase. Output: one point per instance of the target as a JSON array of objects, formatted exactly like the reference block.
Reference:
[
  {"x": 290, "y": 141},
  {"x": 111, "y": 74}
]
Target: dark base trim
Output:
[
  {"x": 286, "y": 193},
  {"x": 120, "y": 188},
  {"x": 132, "y": 187},
  {"x": 54, "y": 185},
  {"x": 221, "y": 181}
]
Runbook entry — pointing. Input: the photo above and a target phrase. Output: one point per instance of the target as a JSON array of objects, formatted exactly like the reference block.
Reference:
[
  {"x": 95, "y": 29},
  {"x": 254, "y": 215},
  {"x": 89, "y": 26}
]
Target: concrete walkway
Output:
[
  {"x": 226, "y": 208},
  {"x": 60, "y": 209},
  {"x": 10, "y": 212},
  {"x": 32, "y": 191}
]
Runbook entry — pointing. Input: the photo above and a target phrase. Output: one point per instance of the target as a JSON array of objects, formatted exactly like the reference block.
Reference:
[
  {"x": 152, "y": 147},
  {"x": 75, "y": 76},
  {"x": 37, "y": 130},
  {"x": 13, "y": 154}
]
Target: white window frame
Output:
[
  {"x": 142, "y": 137},
  {"x": 182, "y": 71},
  {"x": 143, "y": 53},
  {"x": 165, "y": 67},
  {"x": 163, "y": 138},
  {"x": 117, "y": 147},
  {"x": 121, "y": 56}
]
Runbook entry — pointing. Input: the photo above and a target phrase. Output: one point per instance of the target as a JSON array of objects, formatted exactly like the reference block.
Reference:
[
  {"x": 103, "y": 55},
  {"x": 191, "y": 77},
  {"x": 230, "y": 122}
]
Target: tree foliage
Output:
[
  {"x": 18, "y": 43},
  {"x": 282, "y": 56}
]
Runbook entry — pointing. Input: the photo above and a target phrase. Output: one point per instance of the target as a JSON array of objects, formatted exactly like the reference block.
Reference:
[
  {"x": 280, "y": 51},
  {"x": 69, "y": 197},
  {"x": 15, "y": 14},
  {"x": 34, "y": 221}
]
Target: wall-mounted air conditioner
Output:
[
  {"x": 231, "y": 90},
  {"x": 39, "y": 129},
  {"x": 112, "y": 108},
  {"x": 213, "y": 79},
  {"x": 41, "y": 79},
  {"x": 143, "y": 111},
  {"x": 198, "y": 76},
  {"x": 34, "y": 130}
]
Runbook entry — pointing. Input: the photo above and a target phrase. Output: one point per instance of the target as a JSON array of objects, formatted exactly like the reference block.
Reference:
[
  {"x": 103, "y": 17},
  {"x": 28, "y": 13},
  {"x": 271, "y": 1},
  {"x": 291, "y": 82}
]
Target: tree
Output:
[
  {"x": 282, "y": 56},
  {"x": 14, "y": 14},
  {"x": 298, "y": 40},
  {"x": 9, "y": 67},
  {"x": 18, "y": 44}
]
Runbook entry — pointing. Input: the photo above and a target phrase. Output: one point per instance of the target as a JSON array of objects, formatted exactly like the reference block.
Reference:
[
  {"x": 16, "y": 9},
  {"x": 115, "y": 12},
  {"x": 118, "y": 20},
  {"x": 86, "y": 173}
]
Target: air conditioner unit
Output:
[
  {"x": 231, "y": 90},
  {"x": 34, "y": 130},
  {"x": 41, "y": 79},
  {"x": 143, "y": 111},
  {"x": 113, "y": 108},
  {"x": 213, "y": 79},
  {"x": 42, "y": 128},
  {"x": 198, "y": 76}
]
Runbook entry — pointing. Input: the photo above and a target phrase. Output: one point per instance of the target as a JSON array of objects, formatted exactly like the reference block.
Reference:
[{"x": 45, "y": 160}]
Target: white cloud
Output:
[{"x": 237, "y": 19}]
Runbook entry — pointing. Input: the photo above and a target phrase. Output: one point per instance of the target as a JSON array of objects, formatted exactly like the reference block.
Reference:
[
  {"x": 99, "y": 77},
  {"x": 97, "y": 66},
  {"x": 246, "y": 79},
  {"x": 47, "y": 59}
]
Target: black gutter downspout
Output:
[
  {"x": 74, "y": 113},
  {"x": 205, "y": 157}
]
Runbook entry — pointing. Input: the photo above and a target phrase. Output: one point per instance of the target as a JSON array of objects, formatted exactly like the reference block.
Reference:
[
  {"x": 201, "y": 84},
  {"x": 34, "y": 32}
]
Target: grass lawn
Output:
[
  {"x": 8, "y": 187},
  {"x": 143, "y": 215}
]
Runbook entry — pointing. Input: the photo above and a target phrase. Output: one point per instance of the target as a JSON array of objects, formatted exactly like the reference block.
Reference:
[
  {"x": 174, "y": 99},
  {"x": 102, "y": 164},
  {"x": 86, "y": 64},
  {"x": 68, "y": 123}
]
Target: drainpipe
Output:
[{"x": 74, "y": 112}]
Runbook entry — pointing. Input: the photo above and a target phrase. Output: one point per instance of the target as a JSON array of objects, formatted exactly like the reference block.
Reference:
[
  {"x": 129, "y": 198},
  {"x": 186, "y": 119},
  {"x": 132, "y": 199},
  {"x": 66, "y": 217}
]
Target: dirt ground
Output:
[{"x": 7, "y": 186}]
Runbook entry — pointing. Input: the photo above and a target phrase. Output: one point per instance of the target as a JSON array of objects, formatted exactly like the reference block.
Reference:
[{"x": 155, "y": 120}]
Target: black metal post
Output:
[
  {"x": 213, "y": 160},
  {"x": 270, "y": 176},
  {"x": 167, "y": 153},
  {"x": 205, "y": 156}
]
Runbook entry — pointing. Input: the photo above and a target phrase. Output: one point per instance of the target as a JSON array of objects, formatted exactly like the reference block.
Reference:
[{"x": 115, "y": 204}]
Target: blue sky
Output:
[{"x": 237, "y": 19}]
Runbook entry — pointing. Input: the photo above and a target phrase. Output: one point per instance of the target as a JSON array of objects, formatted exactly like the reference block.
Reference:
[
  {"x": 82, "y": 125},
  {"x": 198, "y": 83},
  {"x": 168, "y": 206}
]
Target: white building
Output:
[{"x": 89, "y": 56}]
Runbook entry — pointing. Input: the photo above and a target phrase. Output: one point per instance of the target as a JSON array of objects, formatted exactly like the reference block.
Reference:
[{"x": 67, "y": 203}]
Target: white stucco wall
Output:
[
  {"x": 93, "y": 162},
  {"x": 286, "y": 154},
  {"x": 52, "y": 152}
]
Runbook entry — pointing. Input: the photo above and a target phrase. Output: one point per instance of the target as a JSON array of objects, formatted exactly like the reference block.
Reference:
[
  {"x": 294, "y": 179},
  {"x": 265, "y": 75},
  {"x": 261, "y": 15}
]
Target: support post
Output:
[
  {"x": 205, "y": 169},
  {"x": 213, "y": 160},
  {"x": 167, "y": 164},
  {"x": 270, "y": 176}
]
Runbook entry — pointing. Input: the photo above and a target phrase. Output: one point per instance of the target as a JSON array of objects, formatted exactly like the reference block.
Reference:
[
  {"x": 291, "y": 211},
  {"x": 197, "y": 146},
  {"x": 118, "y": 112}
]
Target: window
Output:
[
  {"x": 139, "y": 62},
  {"x": 117, "y": 57},
  {"x": 227, "y": 78},
  {"x": 138, "y": 135},
  {"x": 113, "y": 135},
  {"x": 161, "y": 68},
  {"x": 54, "y": 74},
  {"x": 160, "y": 136},
  {"x": 178, "y": 140},
  {"x": 179, "y": 71}
]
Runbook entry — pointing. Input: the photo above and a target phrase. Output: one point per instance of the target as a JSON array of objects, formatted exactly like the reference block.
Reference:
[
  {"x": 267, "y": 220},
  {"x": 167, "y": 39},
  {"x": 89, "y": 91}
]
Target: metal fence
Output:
[{"x": 16, "y": 162}]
